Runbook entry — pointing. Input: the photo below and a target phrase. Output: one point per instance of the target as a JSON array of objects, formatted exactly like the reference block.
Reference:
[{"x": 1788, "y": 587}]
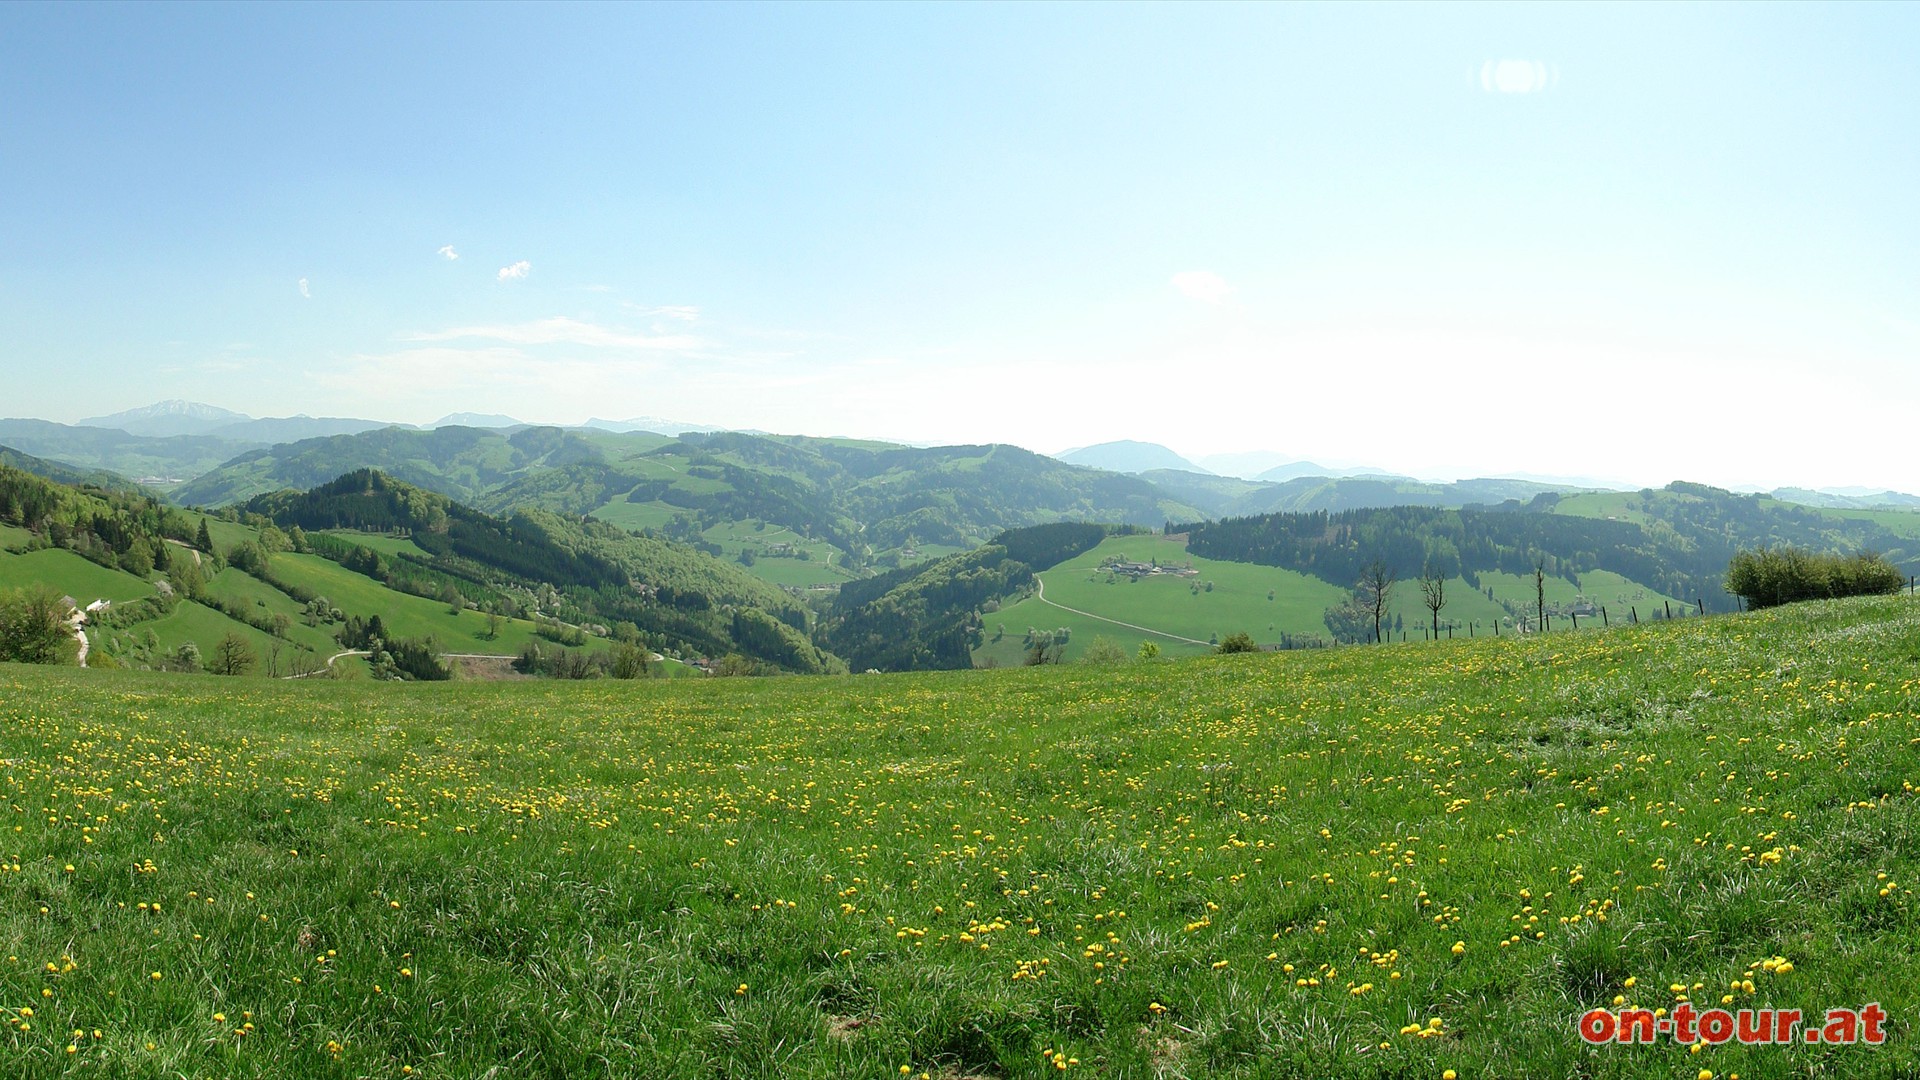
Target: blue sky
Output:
[{"x": 1632, "y": 242}]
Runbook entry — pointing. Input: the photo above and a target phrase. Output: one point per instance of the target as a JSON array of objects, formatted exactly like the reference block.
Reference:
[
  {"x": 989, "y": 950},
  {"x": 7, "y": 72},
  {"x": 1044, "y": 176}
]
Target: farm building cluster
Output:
[{"x": 1132, "y": 569}]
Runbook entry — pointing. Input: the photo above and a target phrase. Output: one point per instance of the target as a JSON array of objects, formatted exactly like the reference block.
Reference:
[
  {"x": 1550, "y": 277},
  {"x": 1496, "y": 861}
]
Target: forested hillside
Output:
[
  {"x": 875, "y": 504},
  {"x": 1677, "y": 540},
  {"x": 70, "y": 475},
  {"x": 1222, "y": 496},
  {"x": 460, "y": 462},
  {"x": 176, "y": 457},
  {"x": 586, "y": 571},
  {"x": 929, "y": 616}
]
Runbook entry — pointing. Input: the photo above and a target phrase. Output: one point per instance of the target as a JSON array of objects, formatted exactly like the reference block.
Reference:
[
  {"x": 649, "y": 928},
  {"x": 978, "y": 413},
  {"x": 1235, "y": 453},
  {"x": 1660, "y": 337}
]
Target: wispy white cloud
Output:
[
  {"x": 560, "y": 330},
  {"x": 682, "y": 312},
  {"x": 303, "y": 289},
  {"x": 1202, "y": 285},
  {"x": 1517, "y": 76},
  {"x": 448, "y": 253},
  {"x": 516, "y": 272}
]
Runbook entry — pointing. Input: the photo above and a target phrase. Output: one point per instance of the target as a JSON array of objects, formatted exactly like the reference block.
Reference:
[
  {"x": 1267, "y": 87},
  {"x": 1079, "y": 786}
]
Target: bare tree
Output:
[
  {"x": 1540, "y": 588},
  {"x": 1433, "y": 593},
  {"x": 1375, "y": 591},
  {"x": 233, "y": 656}
]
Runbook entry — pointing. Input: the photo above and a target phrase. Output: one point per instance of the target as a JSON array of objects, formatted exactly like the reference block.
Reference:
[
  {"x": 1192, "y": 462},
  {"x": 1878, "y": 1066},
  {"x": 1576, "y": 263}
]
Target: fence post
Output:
[
  {"x": 1702, "y": 601},
  {"x": 1575, "y": 616},
  {"x": 1668, "y": 607},
  {"x": 1604, "y": 622},
  {"x": 1633, "y": 613}
]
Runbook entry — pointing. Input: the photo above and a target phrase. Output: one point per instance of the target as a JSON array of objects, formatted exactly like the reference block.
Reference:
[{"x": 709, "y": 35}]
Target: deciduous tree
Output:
[
  {"x": 1375, "y": 591},
  {"x": 1433, "y": 593}
]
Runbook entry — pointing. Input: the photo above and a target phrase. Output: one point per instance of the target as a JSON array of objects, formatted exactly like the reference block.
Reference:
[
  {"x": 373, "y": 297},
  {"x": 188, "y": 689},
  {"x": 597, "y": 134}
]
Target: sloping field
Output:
[
  {"x": 1368, "y": 862},
  {"x": 73, "y": 575}
]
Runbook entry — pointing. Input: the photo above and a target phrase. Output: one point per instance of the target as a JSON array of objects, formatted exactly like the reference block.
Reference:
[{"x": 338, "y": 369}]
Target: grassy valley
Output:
[{"x": 1365, "y": 862}]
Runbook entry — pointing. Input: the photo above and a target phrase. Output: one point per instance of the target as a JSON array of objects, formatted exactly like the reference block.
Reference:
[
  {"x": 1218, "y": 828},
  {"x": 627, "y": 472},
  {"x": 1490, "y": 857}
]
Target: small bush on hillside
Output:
[
  {"x": 33, "y": 627},
  {"x": 1773, "y": 576},
  {"x": 1237, "y": 642},
  {"x": 1104, "y": 650}
]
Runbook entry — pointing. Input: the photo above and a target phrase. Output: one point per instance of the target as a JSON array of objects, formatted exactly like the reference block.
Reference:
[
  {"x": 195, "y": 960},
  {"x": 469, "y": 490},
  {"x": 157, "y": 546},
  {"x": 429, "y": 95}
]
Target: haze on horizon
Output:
[{"x": 1642, "y": 243}]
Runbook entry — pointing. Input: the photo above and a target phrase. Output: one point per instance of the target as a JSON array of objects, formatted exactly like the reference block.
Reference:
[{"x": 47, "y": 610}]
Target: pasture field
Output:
[
  {"x": 1385, "y": 861},
  {"x": 72, "y": 574},
  {"x": 205, "y": 626},
  {"x": 636, "y": 516},
  {"x": 1238, "y": 601},
  {"x": 757, "y": 536},
  {"x": 384, "y": 543},
  {"x": 1168, "y": 603},
  {"x": 404, "y": 614}
]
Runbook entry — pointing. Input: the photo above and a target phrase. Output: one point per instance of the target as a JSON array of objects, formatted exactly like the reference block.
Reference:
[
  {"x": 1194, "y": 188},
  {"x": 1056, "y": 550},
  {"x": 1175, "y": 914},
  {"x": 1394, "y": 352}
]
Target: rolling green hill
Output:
[
  {"x": 870, "y": 504},
  {"x": 1673, "y": 542},
  {"x": 164, "y": 461},
  {"x": 166, "y": 590},
  {"x": 66, "y": 474},
  {"x": 551, "y": 564},
  {"x": 459, "y": 462},
  {"x": 1183, "y": 616},
  {"x": 1219, "y": 496},
  {"x": 868, "y": 501},
  {"x": 1387, "y": 862}
]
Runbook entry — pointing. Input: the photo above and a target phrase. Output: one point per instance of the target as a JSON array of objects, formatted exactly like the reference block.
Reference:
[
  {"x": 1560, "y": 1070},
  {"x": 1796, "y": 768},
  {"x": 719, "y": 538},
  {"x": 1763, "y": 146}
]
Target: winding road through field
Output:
[{"x": 1040, "y": 594}]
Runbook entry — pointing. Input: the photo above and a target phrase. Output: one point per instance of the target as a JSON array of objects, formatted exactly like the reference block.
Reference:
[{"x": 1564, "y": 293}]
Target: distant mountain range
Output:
[
  {"x": 655, "y": 424},
  {"x": 169, "y": 418},
  {"x": 1294, "y": 470},
  {"x": 1132, "y": 456},
  {"x": 1245, "y": 465},
  {"x": 1127, "y": 456},
  {"x": 469, "y": 419},
  {"x": 229, "y": 456}
]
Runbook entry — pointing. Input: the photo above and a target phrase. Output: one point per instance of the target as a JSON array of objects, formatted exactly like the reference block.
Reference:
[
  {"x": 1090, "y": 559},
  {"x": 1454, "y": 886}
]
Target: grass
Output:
[
  {"x": 1615, "y": 505},
  {"x": 14, "y": 538},
  {"x": 204, "y": 626},
  {"x": 1238, "y": 601},
  {"x": 404, "y": 614},
  {"x": 235, "y": 586},
  {"x": 734, "y": 536},
  {"x": 384, "y": 543},
  {"x": 80, "y": 578},
  {"x": 1255, "y": 866},
  {"x": 636, "y": 516}
]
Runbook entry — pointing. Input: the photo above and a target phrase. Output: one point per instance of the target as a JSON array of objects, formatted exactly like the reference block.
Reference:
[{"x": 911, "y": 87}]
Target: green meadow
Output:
[
  {"x": 1374, "y": 861},
  {"x": 1177, "y": 607},
  {"x": 75, "y": 576},
  {"x": 404, "y": 614}
]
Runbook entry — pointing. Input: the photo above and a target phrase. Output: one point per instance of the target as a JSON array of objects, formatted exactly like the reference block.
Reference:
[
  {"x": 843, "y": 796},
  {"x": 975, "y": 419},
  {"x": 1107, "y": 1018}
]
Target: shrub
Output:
[
  {"x": 33, "y": 627},
  {"x": 1771, "y": 576},
  {"x": 1238, "y": 642}
]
